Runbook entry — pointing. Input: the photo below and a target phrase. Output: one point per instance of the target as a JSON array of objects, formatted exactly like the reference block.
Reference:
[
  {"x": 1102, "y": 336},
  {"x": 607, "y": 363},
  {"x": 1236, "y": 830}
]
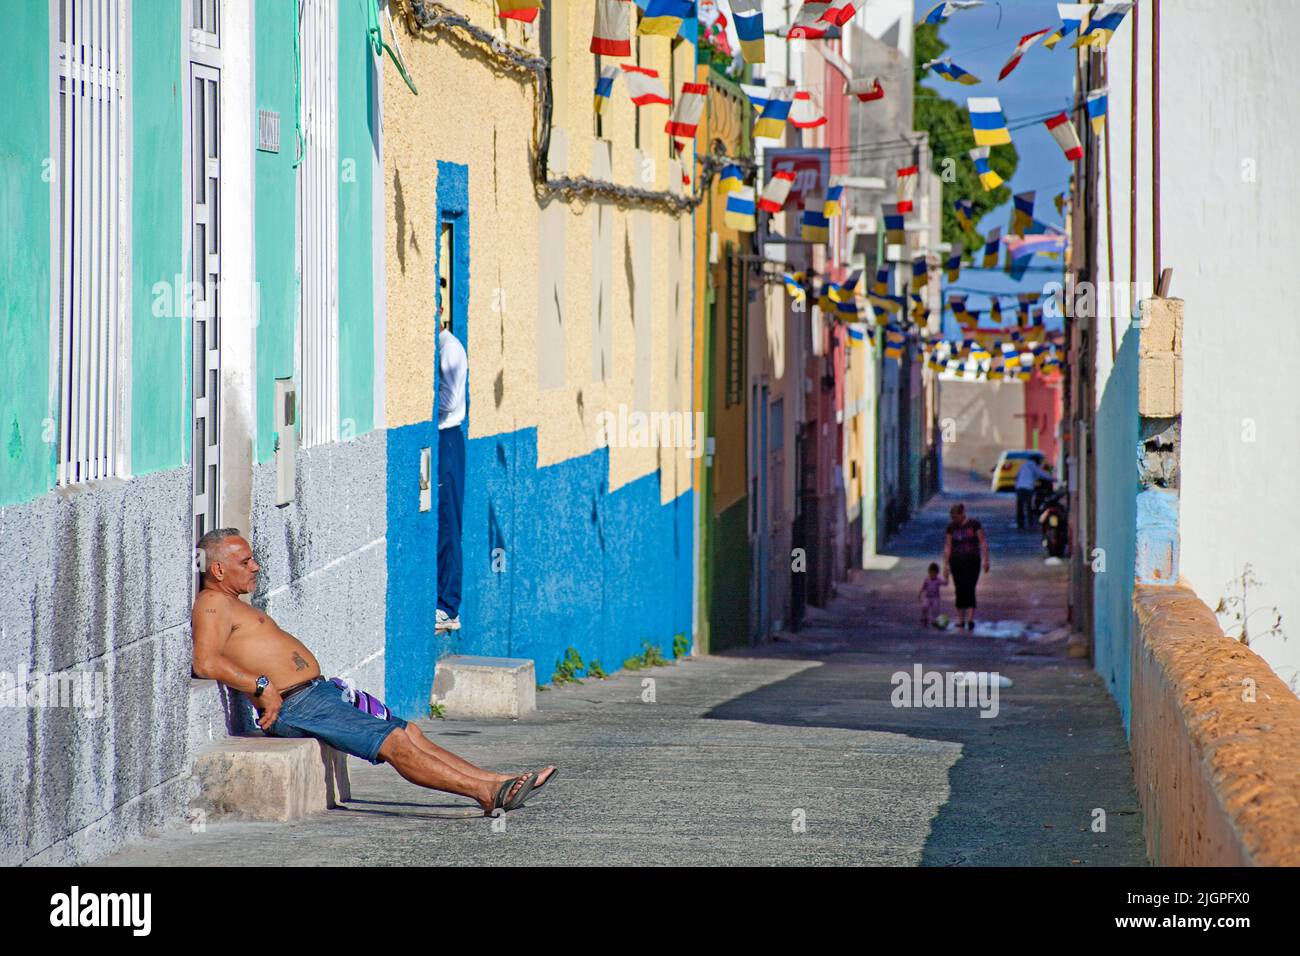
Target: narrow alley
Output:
[
  {"x": 736, "y": 750},
  {"x": 518, "y": 432}
]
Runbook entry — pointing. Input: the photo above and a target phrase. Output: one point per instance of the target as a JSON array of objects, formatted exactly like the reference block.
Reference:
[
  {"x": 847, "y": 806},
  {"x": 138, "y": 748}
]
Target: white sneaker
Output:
[{"x": 444, "y": 623}]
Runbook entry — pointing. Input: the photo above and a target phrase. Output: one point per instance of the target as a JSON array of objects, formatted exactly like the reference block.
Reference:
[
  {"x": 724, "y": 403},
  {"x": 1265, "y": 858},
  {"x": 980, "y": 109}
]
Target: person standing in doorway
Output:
[
  {"x": 453, "y": 377},
  {"x": 965, "y": 549},
  {"x": 1026, "y": 481}
]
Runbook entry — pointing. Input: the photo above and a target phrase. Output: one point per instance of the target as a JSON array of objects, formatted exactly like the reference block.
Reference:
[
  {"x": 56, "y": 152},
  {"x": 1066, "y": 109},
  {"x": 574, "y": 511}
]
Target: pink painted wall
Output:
[{"x": 1043, "y": 413}]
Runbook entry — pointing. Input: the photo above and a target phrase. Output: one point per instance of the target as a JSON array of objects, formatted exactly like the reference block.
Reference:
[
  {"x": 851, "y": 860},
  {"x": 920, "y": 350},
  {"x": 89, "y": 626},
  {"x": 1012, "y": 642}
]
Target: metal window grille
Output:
[
  {"x": 92, "y": 163},
  {"x": 735, "y": 328},
  {"x": 317, "y": 245}
]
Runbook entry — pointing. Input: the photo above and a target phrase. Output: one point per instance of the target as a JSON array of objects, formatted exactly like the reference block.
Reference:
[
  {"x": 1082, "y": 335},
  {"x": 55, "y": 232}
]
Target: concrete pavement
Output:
[{"x": 787, "y": 754}]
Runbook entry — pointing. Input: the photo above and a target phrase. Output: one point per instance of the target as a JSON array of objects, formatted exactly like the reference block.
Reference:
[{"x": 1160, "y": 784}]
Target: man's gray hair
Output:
[{"x": 211, "y": 542}]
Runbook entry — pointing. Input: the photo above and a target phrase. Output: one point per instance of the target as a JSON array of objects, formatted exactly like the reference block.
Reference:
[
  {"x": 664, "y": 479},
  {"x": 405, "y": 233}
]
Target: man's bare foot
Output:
[
  {"x": 544, "y": 775},
  {"x": 490, "y": 803}
]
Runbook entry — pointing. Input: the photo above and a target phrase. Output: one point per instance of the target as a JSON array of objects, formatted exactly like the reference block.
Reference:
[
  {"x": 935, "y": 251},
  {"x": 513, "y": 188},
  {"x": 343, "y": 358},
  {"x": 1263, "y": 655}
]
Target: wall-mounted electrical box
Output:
[
  {"x": 286, "y": 439},
  {"x": 426, "y": 479}
]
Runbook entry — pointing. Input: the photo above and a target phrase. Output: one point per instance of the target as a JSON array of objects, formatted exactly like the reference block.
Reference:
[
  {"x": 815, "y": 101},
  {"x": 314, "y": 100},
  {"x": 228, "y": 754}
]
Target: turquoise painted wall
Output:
[
  {"x": 274, "y": 223},
  {"x": 358, "y": 145},
  {"x": 1116, "y": 497},
  {"x": 26, "y": 457},
  {"x": 160, "y": 344}
]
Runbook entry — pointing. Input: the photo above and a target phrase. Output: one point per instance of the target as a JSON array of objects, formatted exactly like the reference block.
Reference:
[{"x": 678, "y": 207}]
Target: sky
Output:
[{"x": 981, "y": 41}]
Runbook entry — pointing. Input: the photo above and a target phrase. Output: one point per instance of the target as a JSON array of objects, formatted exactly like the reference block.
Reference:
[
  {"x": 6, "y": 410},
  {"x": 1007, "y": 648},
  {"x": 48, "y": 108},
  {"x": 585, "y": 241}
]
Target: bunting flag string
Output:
[
  {"x": 1072, "y": 16},
  {"x": 895, "y": 227},
  {"x": 953, "y": 266},
  {"x": 940, "y": 12},
  {"x": 1062, "y": 131},
  {"x": 991, "y": 244},
  {"x": 777, "y": 191},
  {"x": 813, "y": 224},
  {"x": 920, "y": 273},
  {"x": 663, "y": 18},
  {"x": 731, "y": 178},
  {"x": 987, "y": 122},
  {"x": 794, "y": 285},
  {"x": 644, "y": 86},
  {"x": 611, "y": 35},
  {"x": 747, "y": 17},
  {"x": 525, "y": 10},
  {"x": 951, "y": 72},
  {"x": 809, "y": 22},
  {"x": 771, "y": 122},
  {"x": 1026, "y": 41},
  {"x": 690, "y": 107},
  {"x": 906, "y": 187},
  {"x": 895, "y": 340},
  {"x": 803, "y": 114},
  {"x": 740, "y": 213},
  {"x": 1022, "y": 213},
  {"x": 834, "y": 199},
  {"x": 757, "y": 95},
  {"x": 1096, "y": 105},
  {"x": 865, "y": 89},
  {"x": 964, "y": 209},
  {"x": 605, "y": 87},
  {"x": 1102, "y": 24},
  {"x": 989, "y": 179}
]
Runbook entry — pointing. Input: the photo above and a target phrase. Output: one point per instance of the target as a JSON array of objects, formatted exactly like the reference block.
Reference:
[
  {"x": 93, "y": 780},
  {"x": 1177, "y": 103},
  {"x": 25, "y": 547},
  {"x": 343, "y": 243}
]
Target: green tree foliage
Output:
[{"x": 950, "y": 143}]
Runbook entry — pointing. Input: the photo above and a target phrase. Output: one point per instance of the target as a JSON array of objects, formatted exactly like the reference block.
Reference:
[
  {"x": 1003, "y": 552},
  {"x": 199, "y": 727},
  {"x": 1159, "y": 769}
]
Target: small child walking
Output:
[{"x": 929, "y": 596}]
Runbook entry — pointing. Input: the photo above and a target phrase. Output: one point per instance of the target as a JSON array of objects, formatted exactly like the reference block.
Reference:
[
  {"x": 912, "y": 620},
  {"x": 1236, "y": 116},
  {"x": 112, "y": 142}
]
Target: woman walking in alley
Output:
[{"x": 965, "y": 549}]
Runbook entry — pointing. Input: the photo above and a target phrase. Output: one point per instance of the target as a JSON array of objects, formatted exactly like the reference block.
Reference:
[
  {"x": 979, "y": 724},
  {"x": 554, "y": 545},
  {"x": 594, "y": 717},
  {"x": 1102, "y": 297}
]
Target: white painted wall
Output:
[{"x": 1231, "y": 232}]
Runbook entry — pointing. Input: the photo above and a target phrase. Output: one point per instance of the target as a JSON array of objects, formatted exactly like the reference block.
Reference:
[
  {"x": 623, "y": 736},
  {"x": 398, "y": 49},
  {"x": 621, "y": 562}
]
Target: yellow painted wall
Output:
[
  {"x": 471, "y": 113},
  {"x": 724, "y": 116}
]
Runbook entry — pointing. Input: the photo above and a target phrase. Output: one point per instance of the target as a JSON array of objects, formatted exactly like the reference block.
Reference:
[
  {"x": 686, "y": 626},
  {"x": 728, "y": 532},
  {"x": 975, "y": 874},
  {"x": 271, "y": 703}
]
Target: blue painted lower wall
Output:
[
  {"x": 412, "y": 544},
  {"x": 553, "y": 559}
]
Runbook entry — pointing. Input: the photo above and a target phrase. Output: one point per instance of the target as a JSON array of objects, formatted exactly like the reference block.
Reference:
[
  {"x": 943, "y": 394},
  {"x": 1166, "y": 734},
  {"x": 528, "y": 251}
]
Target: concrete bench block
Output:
[
  {"x": 269, "y": 778},
  {"x": 1161, "y": 321},
  {"x": 476, "y": 687},
  {"x": 1160, "y": 385}
]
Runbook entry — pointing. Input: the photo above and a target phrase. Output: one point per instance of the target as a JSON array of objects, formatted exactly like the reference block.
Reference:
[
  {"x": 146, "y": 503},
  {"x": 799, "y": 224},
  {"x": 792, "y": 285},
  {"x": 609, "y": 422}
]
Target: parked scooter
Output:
[
  {"x": 1055, "y": 523},
  {"x": 1044, "y": 488}
]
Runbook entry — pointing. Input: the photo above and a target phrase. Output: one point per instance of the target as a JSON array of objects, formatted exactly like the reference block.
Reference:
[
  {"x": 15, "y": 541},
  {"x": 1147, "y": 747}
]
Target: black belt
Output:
[{"x": 297, "y": 689}]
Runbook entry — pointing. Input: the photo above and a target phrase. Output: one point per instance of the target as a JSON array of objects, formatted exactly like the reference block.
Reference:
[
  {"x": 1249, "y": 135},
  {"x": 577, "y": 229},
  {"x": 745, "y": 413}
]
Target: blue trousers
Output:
[{"x": 451, "y": 508}]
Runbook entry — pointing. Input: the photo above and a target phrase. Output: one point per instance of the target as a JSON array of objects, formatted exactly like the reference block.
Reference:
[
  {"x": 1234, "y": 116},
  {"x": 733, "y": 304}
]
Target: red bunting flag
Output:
[
  {"x": 525, "y": 10},
  {"x": 906, "y": 187},
  {"x": 1062, "y": 131},
  {"x": 1026, "y": 41},
  {"x": 611, "y": 35}
]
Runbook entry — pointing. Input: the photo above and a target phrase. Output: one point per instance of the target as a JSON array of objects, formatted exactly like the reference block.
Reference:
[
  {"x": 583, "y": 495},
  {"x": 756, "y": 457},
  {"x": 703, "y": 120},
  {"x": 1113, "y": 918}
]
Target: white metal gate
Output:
[
  {"x": 92, "y": 169},
  {"x": 317, "y": 240}
]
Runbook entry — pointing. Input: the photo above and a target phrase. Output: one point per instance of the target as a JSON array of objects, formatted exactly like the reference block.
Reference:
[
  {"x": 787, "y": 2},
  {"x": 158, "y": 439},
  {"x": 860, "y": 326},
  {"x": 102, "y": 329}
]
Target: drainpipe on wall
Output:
[{"x": 1160, "y": 409}]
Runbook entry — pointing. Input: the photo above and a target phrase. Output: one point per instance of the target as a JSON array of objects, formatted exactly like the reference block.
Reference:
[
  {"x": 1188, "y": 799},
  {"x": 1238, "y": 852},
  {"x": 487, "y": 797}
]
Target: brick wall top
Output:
[{"x": 1247, "y": 751}]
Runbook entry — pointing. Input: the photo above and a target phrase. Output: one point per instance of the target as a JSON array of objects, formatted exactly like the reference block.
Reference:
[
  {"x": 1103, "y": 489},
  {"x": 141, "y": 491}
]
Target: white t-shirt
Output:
[
  {"x": 1027, "y": 476},
  {"x": 453, "y": 373}
]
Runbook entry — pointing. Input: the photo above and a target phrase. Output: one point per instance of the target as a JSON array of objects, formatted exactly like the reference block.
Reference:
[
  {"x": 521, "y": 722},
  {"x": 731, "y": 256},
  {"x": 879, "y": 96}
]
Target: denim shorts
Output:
[{"x": 324, "y": 712}]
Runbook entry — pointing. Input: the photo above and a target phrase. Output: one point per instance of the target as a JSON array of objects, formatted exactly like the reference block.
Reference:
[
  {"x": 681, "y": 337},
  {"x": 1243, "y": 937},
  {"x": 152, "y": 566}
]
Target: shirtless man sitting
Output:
[{"x": 245, "y": 649}]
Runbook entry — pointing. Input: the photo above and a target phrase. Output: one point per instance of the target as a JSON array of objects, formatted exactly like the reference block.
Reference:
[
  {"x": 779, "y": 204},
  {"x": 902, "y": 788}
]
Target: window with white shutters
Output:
[
  {"x": 317, "y": 245},
  {"x": 91, "y": 58}
]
